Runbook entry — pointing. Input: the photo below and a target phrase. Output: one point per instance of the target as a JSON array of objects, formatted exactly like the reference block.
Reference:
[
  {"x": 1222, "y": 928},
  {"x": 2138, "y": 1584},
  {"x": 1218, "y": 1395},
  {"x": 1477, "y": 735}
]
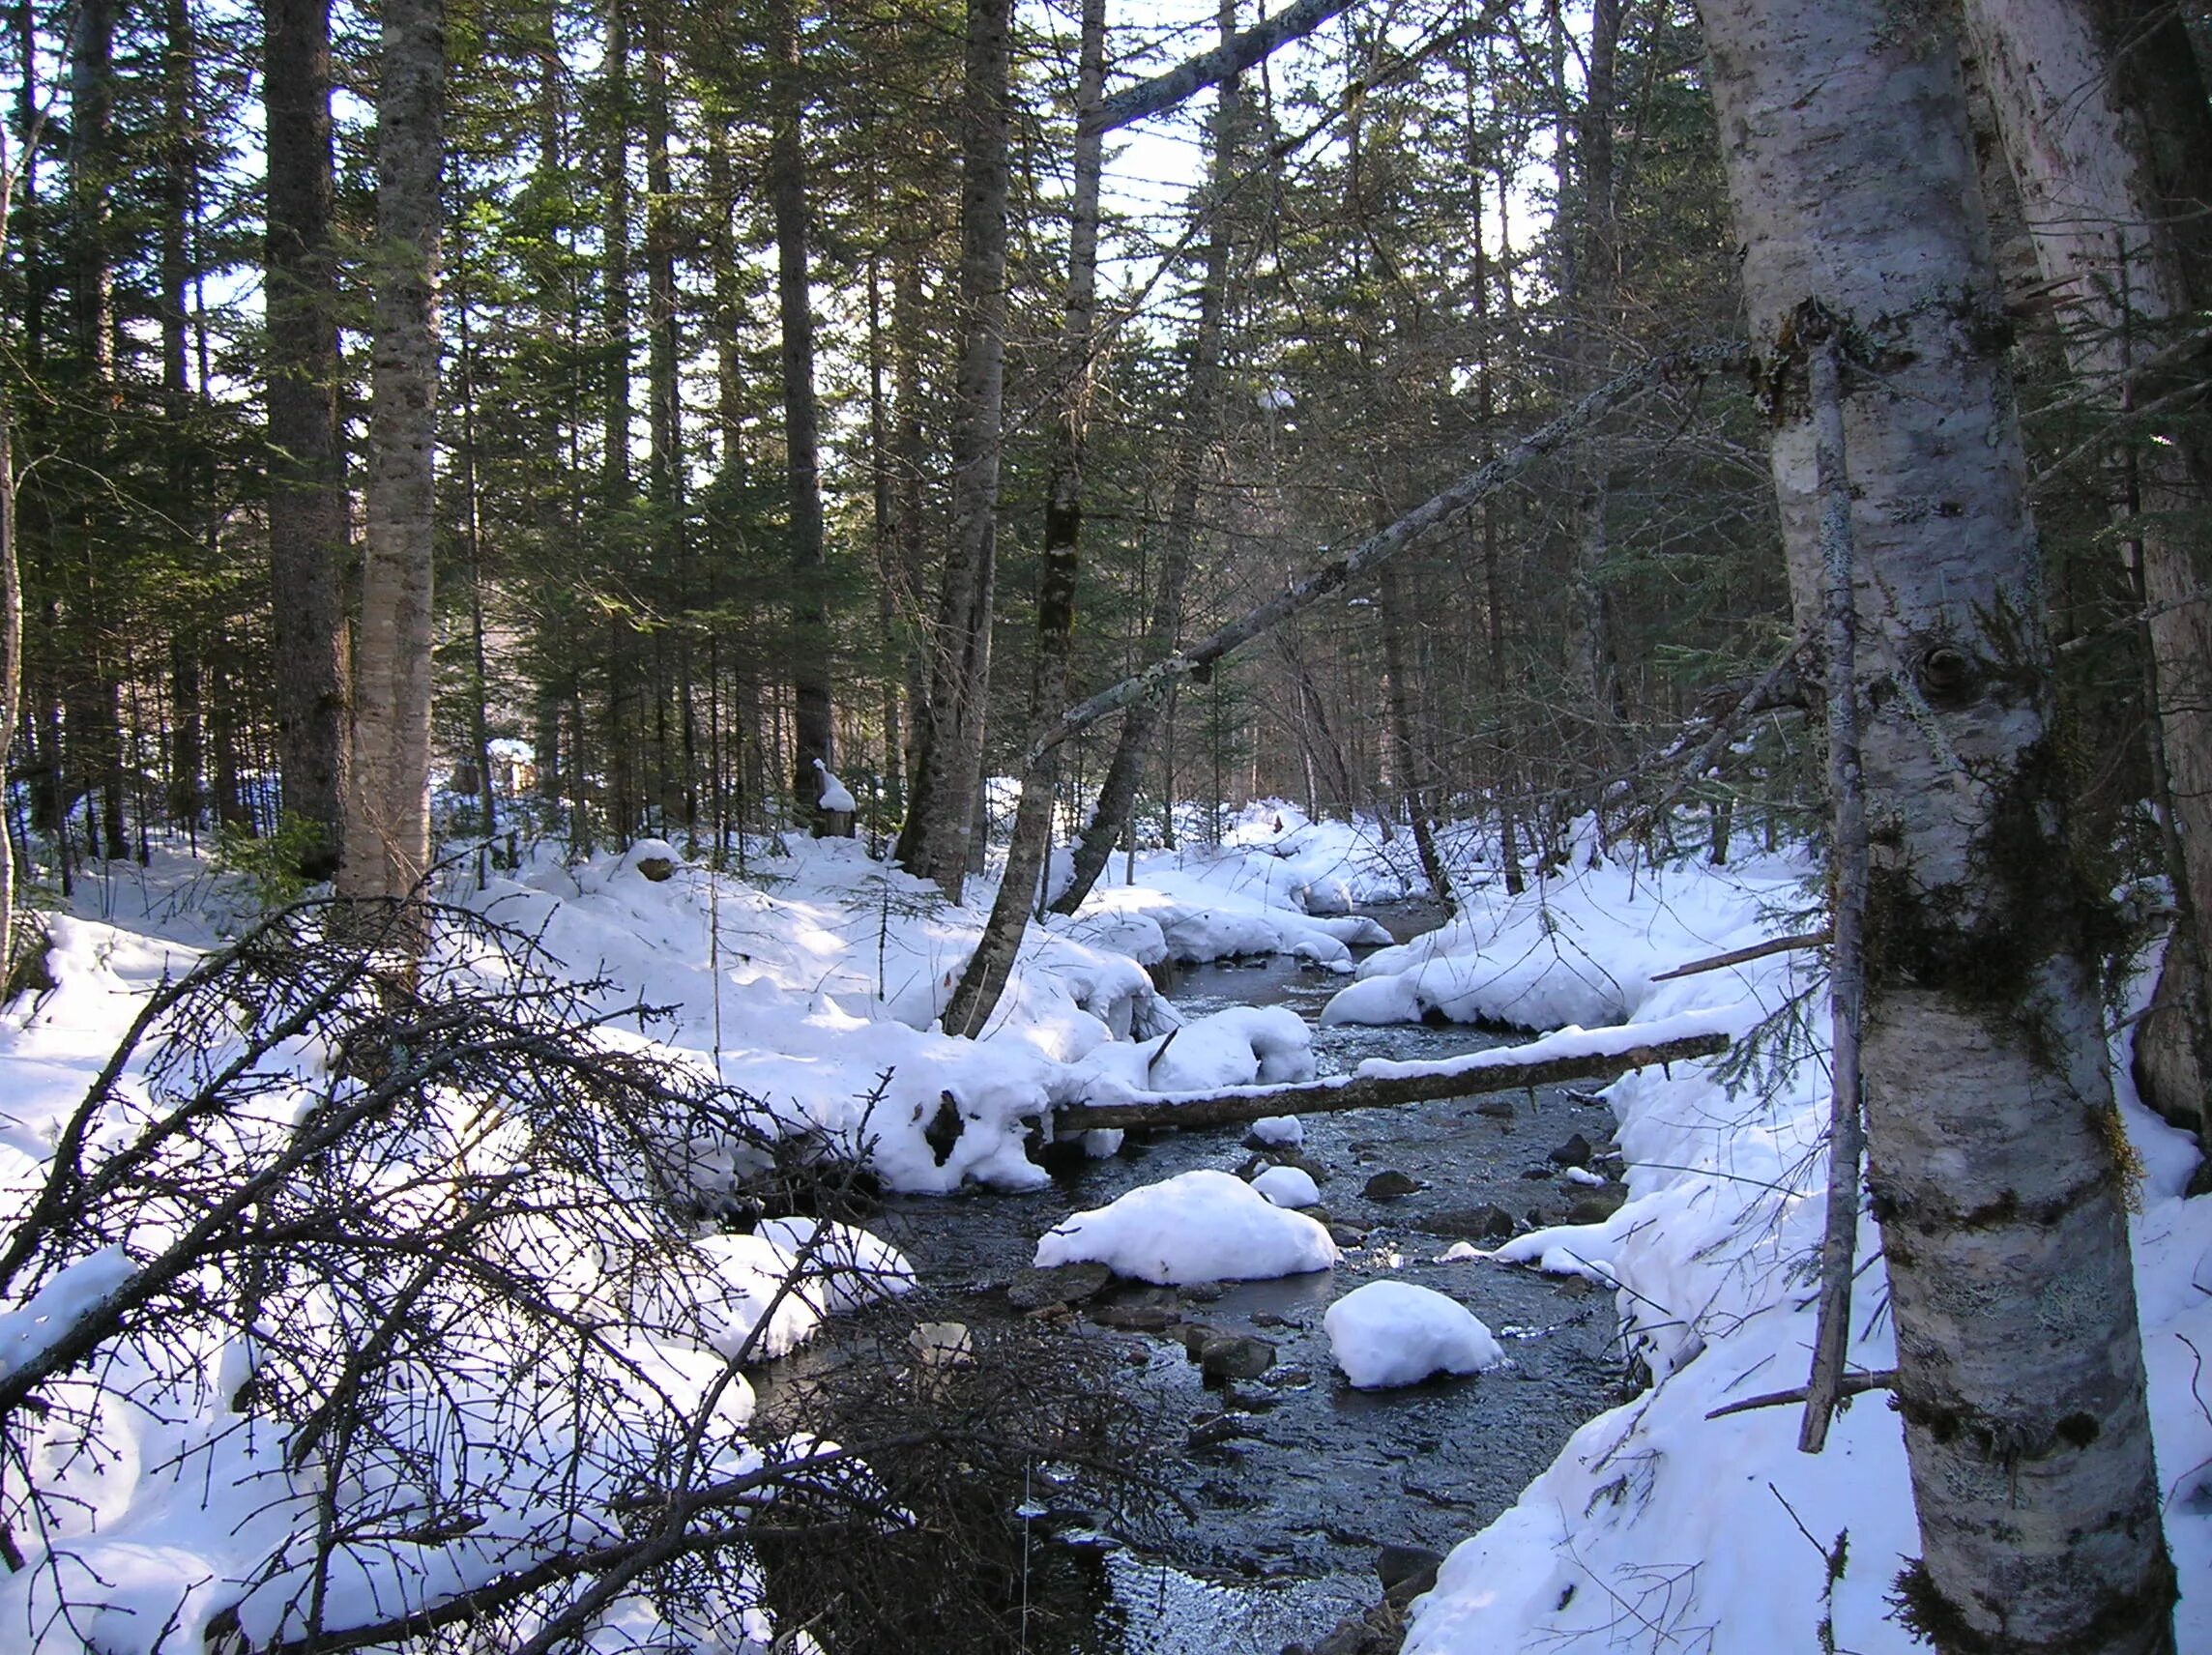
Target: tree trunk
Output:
[
  {"x": 1592, "y": 668},
  {"x": 936, "y": 840},
  {"x": 1195, "y": 440},
  {"x": 307, "y": 506},
  {"x": 676, "y": 787},
  {"x": 2107, "y": 135},
  {"x": 1396, "y": 623},
  {"x": 1502, "y": 1069},
  {"x": 910, "y": 451},
  {"x": 1992, "y": 1129},
  {"x": 814, "y": 751},
  {"x": 976, "y": 995},
  {"x": 10, "y": 674},
  {"x": 387, "y": 817}
]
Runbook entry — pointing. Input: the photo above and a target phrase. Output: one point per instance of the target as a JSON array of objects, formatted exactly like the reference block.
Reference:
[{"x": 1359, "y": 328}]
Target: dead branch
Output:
[
  {"x": 1744, "y": 956},
  {"x": 1851, "y": 1384}
]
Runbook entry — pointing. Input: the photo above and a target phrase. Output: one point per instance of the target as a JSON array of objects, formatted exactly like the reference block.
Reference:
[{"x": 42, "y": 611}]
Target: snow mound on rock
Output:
[
  {"x": 1394, "y": 1333},
  {"x": 1280, "y": 1131},
  {"x": 1288, "y": 1186},
  {"x": 1198, "y": 1227}
]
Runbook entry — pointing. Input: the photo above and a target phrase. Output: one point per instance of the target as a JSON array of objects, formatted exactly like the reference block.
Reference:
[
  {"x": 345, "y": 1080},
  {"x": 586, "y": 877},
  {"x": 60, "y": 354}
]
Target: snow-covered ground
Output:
[
  {"x": 813, "y": 983},
  {"x": 1658, "y": 1528}
]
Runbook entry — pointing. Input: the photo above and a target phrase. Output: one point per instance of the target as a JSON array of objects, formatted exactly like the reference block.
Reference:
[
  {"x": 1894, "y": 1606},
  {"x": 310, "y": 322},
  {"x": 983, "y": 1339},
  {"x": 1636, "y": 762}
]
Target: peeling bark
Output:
[{"x": 1991, "y": 1123}]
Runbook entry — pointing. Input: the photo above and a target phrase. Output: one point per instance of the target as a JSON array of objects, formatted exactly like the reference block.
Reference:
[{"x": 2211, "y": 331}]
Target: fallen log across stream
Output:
[{"x": 1597, "y": 1054}]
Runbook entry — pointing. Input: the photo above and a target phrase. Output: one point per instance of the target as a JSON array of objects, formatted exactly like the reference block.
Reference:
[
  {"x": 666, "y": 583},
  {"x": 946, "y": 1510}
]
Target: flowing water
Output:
[{"x": 1310, "y": 1477}]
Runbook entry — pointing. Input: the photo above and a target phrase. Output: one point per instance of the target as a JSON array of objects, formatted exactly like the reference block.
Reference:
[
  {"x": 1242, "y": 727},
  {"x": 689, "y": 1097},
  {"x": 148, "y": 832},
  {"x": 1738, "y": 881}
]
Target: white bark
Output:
[
  {"x": 1991, "y": 1121},
  {"x": 2107, "y": 252},
  {"x": 387, "y": 811}
]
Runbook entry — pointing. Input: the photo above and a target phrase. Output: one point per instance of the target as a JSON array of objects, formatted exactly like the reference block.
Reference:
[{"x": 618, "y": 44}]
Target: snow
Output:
[
  {"x": 835, "y": 795},
  {"x": 1654, "y": 1516},
  {"x": 1197, "y": 1227},
  {"x": 1280, "y": 1131},
  {"x": 814, "y": 979},
  {"x": 1288, "y": 1186},
  {"x": 1394, "y": 1333},
  {"x": 59, "y": 1306}
]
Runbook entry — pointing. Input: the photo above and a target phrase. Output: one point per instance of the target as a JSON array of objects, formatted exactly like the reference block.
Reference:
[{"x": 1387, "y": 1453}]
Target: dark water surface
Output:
[{"x": 1312, "y": 1476}]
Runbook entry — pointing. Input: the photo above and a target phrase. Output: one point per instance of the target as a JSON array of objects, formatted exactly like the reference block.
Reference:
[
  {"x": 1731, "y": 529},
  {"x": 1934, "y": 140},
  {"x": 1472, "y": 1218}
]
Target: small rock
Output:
[
  {"x": 1202, "y": 1292},
  {"x": 658, "y": 869},
  {"x": 1536, "y": 1171},
  {"x": 1394, "y": 1564},
  {"x": 1495, "y": 1107},
  {"x": 1195, "y": 1334},
  {"x": 1597, "y": 1206},
  {"x": 1234, "y": 1356},
  {"x": 1062, "y": 1284},
  {"x": 1574, "y": 1152},
  {"x": 1213, "y": 1430},
  {"x": 1135, "y": 1318},
  {"x": 1269, "y": 1318},
  {"x": 1484, "y": 1223},
  {"x": 1389, "y": 1185},
  {"x": 1348, "y": 1235}
]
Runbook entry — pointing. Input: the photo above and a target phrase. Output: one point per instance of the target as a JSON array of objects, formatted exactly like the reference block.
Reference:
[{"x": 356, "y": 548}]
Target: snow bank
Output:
[
  {"x": 1654, "y": 1517},
  {"x": 1277, "y": 884},
  {"x": 1197, "y": 1227},
  {"x": 1395, "y": 1333},
  {"x": 1574, "y": 949},
  {"x": 814, "y": 982}
]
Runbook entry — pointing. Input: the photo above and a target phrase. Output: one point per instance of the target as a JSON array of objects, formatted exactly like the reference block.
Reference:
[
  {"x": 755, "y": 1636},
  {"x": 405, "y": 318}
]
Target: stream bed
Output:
[{"x": 1295, "y": 1479}]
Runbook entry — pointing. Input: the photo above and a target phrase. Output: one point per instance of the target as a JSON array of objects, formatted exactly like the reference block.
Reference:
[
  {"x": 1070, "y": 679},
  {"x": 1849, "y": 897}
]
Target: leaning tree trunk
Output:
[
  {"x": 306, "y": 476},
  {"x": 387, "y": 811},
  {"x": 2106, "y": 129},
  {"x": 1194, "y": 441},
  {"x": 1992, "y": 1129},
  {"x": 937, "y": 836},
  {"x": 976, "y": 995}
]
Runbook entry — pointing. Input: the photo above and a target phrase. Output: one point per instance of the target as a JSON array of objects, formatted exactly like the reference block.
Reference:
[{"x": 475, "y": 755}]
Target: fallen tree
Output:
[{"x": 1598, "y": 1054}]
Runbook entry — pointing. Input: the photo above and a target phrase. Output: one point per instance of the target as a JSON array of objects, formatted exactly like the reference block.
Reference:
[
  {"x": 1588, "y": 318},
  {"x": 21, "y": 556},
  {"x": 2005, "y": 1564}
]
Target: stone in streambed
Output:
[
  {"x": 1484, "y": 1223},
  {"x": 1060, "y": 1284},
  {"x": 1398, "y": 1566},
  {"x": 1390, "y": 1184}
]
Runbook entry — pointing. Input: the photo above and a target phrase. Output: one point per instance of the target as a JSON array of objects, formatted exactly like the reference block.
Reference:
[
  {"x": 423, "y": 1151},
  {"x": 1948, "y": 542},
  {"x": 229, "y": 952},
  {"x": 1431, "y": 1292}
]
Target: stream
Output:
[{"x": 1297, "y": 1479}]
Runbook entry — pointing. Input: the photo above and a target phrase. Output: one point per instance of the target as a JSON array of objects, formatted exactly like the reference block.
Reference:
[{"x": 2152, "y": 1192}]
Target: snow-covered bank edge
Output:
[{"x": 1657, "y": 1526}]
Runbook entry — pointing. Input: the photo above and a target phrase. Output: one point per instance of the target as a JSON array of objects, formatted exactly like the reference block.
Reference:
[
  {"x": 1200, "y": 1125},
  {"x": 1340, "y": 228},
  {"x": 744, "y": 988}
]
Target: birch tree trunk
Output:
[
  {"x": 388, "y": 812},
  {"x": 2105, "y": 131},
  {"x": 939, "y": 831},
  {"x": 307, "y": 505},
  {"x": 1991, "y": 1121}
]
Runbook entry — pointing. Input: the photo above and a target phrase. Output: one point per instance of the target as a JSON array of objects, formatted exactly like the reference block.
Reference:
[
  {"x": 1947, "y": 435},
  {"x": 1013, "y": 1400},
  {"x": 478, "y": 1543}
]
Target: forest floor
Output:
[{"x": 809, "y": 979}]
